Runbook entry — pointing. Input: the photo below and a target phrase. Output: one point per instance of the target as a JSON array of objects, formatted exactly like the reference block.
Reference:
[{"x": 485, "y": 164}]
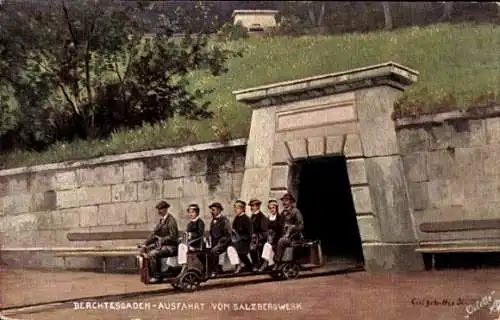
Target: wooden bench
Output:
[
  {"x": 100, "y": 251},
  {"x": 459, "y": 246}
]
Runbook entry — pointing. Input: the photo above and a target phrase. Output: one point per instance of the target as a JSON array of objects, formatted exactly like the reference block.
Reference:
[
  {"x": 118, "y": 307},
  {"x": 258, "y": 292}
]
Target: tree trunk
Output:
[
  {"x": 387, "y": 15},
  {"x": 321, "y": 15},
  {"x": 312, "y": 16},
  {"x": 447, "y": 10}
]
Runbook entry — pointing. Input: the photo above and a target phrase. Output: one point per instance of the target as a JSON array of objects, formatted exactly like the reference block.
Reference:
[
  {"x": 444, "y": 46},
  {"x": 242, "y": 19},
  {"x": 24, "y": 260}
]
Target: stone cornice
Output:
[
  {"x": 449, "y": 116},
  {"x": 390, "y": 73},
  {"x": 125, "y": 157}
]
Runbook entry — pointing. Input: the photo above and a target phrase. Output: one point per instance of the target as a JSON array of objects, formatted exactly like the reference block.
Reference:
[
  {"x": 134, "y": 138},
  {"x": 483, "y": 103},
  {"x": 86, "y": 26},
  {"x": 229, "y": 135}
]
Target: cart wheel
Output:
[
  {"x": 290, "y": 271},
  {"x": 190, "y": 281},
  {"x": 276, "y": 275},
  {"x": 175, "y": 285}
]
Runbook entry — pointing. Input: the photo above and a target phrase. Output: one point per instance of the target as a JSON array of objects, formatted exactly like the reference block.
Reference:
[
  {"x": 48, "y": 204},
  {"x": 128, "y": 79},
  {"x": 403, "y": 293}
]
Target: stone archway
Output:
[{"x": 347, "y": 113}]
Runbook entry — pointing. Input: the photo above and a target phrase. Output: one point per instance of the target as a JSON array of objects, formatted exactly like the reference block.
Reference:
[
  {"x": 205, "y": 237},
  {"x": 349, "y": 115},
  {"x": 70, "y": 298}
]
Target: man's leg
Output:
[
  {"x": 155, "y": 259},
  {"x": 255, "y": 256},
  {"x": 214, "y": 258},
  {"x": 243, "y": 249},
  {"x": 283, "y": 243},
  {"x": 153, "y": 264},
  {"x": 244, "y": 258}
]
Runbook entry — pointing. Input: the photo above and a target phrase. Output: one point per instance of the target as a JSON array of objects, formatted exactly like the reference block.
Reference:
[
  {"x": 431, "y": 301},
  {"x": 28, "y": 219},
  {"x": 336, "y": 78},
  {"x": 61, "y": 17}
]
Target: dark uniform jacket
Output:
[
  {"x": 220, "y": 231},
  {"x": 166, "y": 230},
  {"x": 243, "y": 227},
  {"x": 260, "y": 226},
  {"x": 196, "y": 229},
  {"x": 275, "y": 228},
  {"x": 294, "y": 221}
]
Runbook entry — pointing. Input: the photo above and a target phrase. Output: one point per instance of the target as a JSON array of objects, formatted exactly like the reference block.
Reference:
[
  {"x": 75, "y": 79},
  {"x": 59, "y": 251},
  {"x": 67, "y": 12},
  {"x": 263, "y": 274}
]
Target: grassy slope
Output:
[{"x": 458, "y": 61}]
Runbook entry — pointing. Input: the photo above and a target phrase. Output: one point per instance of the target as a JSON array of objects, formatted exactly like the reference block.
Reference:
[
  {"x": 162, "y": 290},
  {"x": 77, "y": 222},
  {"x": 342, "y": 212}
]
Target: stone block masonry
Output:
[
  {"x": 451, "y": 161},
  {"x": 40, "y": 205}
]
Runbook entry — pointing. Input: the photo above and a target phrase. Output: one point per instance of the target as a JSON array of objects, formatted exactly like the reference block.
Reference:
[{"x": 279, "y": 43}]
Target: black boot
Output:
[
  {"x": 238, "y": 269},
  {"x": 264, "y": 266}
]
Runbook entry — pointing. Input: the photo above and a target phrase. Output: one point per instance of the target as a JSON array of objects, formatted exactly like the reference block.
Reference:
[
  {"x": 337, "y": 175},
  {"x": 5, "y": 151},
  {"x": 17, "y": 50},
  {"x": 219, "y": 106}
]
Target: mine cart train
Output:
[{"x": 194, "y": 262}]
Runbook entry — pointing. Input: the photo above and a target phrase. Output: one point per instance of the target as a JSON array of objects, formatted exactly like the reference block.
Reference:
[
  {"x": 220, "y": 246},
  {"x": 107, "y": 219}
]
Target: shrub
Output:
[{"x": 232, "y": 32}]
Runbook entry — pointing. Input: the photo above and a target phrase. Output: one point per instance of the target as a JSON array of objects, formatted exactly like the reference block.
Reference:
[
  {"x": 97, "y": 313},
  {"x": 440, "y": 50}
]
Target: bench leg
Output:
[
  {"x": 433, "y": 257},
  {"x": 104, "y": 265}
]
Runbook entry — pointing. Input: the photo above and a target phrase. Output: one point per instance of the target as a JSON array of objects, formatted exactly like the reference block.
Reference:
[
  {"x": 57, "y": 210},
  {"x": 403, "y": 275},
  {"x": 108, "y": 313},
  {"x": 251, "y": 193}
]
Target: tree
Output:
[
  {"x": 85, "y": 68},
  {"x": 387, "y": 15},
  {"x": 315, "y": 20},
  {"x": 447, "y": 11},
  {"x": 311, "y": 13}
]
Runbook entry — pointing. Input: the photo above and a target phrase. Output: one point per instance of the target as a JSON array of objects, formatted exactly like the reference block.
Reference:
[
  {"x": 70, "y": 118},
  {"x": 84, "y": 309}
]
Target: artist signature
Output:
[{"x": 443, "y": 302}]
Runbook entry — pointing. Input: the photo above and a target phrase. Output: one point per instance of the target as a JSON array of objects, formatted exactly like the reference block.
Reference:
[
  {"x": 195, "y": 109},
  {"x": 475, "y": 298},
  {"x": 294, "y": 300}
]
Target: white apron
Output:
[
  {"x": 230, "y": 255},
  {"x": 182, "y": 251},
  {"x": 268, "y": 253}
]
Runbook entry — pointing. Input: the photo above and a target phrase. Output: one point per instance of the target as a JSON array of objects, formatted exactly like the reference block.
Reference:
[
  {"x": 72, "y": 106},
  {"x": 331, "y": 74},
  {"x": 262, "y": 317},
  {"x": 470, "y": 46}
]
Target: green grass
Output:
[{"x": 459, "y": 67}]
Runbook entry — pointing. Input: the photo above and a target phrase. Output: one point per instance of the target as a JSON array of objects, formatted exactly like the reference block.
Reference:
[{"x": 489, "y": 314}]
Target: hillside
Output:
[{"x": 459, "y": 67}]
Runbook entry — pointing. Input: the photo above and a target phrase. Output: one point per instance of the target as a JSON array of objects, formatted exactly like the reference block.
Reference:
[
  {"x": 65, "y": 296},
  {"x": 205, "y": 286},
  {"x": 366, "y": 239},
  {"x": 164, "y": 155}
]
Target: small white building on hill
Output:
[{"x": 255, "y": 20}]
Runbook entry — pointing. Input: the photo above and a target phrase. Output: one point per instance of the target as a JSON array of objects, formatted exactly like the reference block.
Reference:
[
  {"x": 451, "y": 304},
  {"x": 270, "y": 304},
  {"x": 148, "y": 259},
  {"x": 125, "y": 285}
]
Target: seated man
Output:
[
  {"x": 243, "y": 228},
  {"x": 220, "y": 236},
  {"x": 163, "y": 241},
  {"x": 196, "y": 227},
  {"x": 293, "y": 225},
  {"x": 259, "y": 236}
]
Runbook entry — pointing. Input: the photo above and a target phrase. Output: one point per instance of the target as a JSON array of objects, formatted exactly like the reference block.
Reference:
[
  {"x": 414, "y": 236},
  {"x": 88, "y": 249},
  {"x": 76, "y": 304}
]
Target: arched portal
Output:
[{"x": 346, "y": 114}]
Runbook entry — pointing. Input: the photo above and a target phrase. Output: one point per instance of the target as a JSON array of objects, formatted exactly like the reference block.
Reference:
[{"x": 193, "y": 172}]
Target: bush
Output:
[{"x": 232, "y": 32}]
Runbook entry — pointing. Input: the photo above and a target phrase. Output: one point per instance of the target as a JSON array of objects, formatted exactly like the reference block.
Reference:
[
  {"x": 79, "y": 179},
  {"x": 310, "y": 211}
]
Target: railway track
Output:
[{"x": 8, "y": 312}]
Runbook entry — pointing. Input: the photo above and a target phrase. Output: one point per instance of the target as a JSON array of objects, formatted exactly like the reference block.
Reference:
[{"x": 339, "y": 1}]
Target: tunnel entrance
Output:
[{"x": 325, "y": 200}]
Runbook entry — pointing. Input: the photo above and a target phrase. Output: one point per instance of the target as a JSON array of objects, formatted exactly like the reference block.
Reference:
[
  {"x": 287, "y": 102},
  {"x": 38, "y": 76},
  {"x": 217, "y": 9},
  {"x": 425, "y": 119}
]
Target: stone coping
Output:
[
  {"x": 398, "y": 75},
  {"x": 438, "y": 118},
  {"x": 125, "y": 157},
  {"x": 235, "y": 12}
]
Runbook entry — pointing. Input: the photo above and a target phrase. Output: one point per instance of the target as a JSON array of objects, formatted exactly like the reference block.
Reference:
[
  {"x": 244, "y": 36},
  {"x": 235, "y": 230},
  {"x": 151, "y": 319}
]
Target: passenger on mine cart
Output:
[
  {"x": 259, "y": 236},
  {"x": 220, "y": 237},
  {"x": 275, "y": 226},
  {"x": 293, "y": 226},
  {"x": 196, "y": 227},
  {"x": 242, "y": 235},
  {"x": 163, "y": 241},
  {"x": 193, "y": 237}
]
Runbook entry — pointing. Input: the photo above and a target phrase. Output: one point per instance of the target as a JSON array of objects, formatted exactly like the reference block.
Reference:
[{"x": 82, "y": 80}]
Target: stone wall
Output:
[
  {"x": 39, "y": 206},
  {"x": 452, "y": 162}
]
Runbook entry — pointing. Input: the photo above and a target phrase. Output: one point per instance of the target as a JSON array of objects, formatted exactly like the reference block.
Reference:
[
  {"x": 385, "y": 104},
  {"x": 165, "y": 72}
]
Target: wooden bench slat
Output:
[
  {"x": 460, "y": 225},
  {"x": 97, "y": 253},
  {"x": 457, "y": 249},
  {"x": 103, "y": 236},
  {"x": 69, "y": 249}
]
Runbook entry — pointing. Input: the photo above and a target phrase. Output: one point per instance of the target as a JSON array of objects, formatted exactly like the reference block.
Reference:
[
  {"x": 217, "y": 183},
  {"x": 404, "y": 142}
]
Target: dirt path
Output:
[{"x": 345, "y": 296}]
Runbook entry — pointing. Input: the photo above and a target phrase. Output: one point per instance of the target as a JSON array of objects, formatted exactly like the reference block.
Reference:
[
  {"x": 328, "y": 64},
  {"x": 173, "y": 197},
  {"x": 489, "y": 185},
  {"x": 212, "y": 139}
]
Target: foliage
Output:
[
  {"x": 458, "y": 65},
  {"x": 83, "y": 70},
  {"x": 232, "y": 32}
]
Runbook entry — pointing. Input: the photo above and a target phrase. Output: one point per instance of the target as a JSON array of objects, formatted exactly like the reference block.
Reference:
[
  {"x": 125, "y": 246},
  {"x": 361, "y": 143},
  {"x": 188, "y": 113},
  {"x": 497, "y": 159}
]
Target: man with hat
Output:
[
  {"x": 163, "y": 241},
  {"x": 294, "y": 224},
  {"x": 259, "y": 236},
  {"x": 242, "y": 226},
  {"x": 220, "y": 235}
]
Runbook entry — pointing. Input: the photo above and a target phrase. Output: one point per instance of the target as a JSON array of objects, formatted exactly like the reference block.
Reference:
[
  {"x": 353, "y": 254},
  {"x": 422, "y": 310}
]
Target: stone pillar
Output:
[
  {"x": 346, "y": 113},
  {"x": 258, "y": 162},
  {"x": 387, "y": 183}
]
